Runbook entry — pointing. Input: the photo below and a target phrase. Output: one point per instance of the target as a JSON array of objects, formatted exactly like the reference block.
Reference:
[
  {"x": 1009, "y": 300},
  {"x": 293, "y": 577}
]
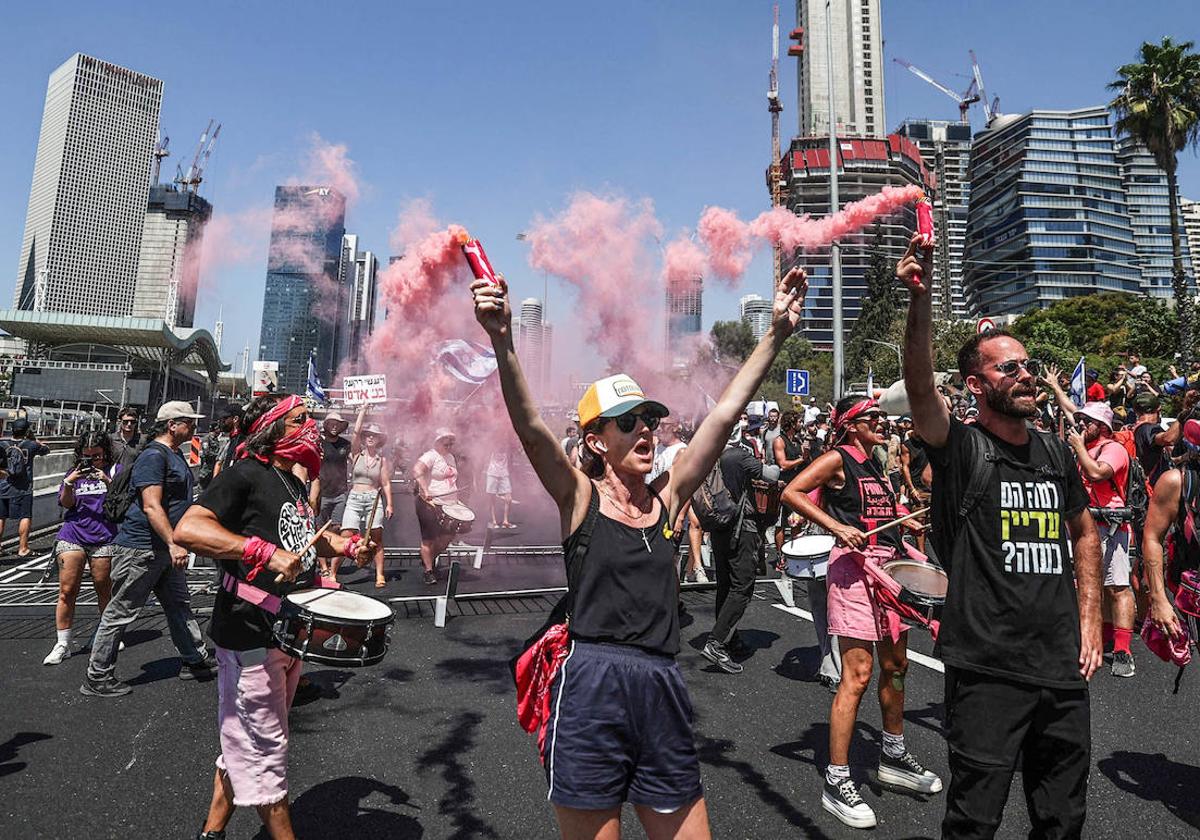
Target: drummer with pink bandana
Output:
[
  {"x": 855, "y": 497},
  {"x": 255, "y": 520}
]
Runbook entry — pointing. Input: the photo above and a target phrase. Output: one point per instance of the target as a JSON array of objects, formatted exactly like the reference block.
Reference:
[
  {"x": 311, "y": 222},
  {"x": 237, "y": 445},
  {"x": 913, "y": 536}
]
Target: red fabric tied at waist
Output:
[
  {"x": 887, "y": 591},
  {"x": 536, "y": 669}
]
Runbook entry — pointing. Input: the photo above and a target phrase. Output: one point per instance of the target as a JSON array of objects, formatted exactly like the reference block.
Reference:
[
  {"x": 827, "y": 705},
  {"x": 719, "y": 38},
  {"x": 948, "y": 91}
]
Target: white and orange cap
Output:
[{"x": 612, "y": 397}]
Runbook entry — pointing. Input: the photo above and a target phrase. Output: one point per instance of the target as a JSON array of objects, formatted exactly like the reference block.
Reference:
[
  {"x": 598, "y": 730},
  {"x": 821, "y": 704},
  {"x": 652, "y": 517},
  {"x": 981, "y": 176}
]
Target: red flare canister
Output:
[
  {"x": 925, "y": 224},
  {"x": 477, "y": 258}
]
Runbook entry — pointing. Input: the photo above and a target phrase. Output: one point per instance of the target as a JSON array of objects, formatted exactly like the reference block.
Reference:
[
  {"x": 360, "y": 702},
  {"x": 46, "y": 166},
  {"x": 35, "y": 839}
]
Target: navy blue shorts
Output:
[
  {"x": 18, "y": 507},
  {"x": 620, "y": 730}
]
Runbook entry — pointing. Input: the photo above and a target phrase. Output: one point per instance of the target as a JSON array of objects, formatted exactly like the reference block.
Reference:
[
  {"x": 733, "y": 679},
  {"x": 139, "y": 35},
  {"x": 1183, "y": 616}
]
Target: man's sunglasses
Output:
[
  {"x": 1031, "y": 366},
  {"x": 627, "y": 422},
  {"x": 870, "y": 417}
]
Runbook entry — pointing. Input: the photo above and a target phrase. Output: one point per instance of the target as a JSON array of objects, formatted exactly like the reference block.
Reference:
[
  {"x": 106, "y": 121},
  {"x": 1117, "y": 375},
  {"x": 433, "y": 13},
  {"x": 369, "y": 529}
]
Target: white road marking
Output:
[{"x": 914, "y": 656}]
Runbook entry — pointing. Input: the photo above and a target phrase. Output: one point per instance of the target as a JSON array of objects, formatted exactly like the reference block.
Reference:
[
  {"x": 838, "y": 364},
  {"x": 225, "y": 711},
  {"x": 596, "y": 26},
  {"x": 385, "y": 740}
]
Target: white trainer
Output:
[{"x": 57, "y": 654}]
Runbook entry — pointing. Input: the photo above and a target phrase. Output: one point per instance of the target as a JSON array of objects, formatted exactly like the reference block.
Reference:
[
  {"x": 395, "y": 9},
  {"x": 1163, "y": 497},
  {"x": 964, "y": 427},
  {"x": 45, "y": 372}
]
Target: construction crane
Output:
[
  {"x": 191, "y": 179},
  {"x": 965, "y": 99},
  {"x": 775, "y": 173},
  {"x": 160, "y": 152},
  {"x": 990, "y": 109}
]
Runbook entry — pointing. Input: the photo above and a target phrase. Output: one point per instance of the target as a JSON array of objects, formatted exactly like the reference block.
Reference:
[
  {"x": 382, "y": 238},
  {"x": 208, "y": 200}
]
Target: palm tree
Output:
[{"x": 1158, "y": 104}]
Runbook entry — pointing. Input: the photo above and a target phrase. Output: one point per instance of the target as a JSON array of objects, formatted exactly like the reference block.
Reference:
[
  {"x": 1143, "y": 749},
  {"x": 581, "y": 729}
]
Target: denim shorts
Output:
[
  {"x": 91, "y": 552},
  {"x": 358, "y": 508}
]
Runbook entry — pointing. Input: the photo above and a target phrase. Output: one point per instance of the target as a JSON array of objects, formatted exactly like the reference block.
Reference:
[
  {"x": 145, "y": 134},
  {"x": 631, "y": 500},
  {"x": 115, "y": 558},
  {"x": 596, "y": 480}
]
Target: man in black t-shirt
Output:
[
  {"x": 255, "y": 520},
  {"x": 16, "y": 480},
  {"x": 1020, "y": 632},
  {"x": 328, "y": 492},
  {"x": 1152, "y": 443}
]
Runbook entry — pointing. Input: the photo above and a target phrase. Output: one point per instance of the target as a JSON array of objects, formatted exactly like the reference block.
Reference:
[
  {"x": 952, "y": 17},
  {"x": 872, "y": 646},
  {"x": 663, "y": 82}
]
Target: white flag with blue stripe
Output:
[
  {"x": 467, "y": 361},
  {"x": 1078, "y": 383},
  {"x": 313, "y": 388}
]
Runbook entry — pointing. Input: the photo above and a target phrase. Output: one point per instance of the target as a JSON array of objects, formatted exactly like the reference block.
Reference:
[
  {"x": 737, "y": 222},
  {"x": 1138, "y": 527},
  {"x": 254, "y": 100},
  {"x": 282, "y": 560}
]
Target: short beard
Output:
[{"x": 1002, "y": 402}]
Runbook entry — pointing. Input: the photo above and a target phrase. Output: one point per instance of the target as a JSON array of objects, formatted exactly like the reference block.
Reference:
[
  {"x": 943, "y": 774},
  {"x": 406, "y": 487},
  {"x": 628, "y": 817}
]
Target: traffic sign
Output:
[
  {"x": 984, "y": 325},
  {"x": 797, "y": 383}
]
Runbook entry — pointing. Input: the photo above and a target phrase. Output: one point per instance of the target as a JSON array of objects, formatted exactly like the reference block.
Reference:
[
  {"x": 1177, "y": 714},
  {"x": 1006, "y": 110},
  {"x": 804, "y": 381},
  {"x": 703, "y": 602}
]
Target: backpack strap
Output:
[
  {"x": 583, "y": 539},
  {"x": 982, "y": 458}
]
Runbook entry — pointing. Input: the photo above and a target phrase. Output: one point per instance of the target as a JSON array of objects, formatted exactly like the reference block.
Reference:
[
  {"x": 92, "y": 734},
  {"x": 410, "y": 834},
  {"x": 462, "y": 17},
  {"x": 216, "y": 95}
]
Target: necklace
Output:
[
  {"x": 291, "y": 491},
  {"x": 640, "y": 530}
]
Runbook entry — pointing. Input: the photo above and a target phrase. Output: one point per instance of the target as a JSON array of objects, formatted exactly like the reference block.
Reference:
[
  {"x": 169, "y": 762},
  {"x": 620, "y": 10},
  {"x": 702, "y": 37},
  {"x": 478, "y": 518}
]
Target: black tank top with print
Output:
[
  {"x": 866, "y": 500},
  {"x": 627, "y": 586}
]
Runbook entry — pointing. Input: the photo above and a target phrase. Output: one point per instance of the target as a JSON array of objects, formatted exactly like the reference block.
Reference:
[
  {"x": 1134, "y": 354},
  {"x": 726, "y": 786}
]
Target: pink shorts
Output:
[
  {"x": 255, "y": 690},
  {"x": 854, "y": 612}
]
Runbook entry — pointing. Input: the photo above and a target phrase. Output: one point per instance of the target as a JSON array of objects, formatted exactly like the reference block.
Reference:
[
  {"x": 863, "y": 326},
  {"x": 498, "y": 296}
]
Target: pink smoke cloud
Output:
[{"x": 728, "y": 242}]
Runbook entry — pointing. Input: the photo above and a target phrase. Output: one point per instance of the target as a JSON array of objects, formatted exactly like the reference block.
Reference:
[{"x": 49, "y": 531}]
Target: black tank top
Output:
[
  {"x": 627, "y": 587},
  {"x": 1187, "y": 524},
  {"x": 865, "y": 501},
  {"x": 792, "y": 449}
]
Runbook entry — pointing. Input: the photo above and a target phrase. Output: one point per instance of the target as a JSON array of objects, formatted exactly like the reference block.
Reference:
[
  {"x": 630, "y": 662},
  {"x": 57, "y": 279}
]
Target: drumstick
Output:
[
  {"x": 307, "y": 546},
  {"x": 370, "y": 522},
  {"x": 896, "y": 522}
]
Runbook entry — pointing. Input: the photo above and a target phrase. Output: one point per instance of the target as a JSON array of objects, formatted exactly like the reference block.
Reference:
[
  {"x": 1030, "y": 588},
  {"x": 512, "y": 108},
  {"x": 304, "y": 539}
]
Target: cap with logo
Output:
[
  {"x": 613, "y": 396},
  {"x": 177, "y": 410}
]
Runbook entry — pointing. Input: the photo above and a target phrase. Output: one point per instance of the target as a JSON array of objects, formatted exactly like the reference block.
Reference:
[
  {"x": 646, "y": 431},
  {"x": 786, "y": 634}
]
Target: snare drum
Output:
[
  {"x": 333, "y": 627},
  {"x": 808, "y": 556},
  {"x": 922, "y": 586},
  {"x": 454, "y": 517}
]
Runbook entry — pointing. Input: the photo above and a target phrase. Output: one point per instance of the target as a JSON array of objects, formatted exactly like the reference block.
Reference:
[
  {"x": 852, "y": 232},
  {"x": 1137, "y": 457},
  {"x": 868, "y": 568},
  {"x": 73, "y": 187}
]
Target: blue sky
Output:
[{"x": 496, "y": 112}]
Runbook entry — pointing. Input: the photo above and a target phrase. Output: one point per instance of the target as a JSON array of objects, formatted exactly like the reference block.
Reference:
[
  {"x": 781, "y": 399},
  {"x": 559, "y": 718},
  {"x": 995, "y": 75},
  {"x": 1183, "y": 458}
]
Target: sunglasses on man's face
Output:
[
  {"x": 1031, "y": 366},
  {"x": 870, "y": 417},
  {"x": 627, "y": 422}
]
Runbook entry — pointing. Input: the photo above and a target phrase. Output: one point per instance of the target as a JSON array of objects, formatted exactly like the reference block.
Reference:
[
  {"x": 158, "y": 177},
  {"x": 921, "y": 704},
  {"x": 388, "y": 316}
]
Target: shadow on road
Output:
[
  {"x": 1156, "y": 778},
  {"x": 10, "y": 749},
  {"x": 452, "y": 755},
  {"x": 340, "y": 808}
]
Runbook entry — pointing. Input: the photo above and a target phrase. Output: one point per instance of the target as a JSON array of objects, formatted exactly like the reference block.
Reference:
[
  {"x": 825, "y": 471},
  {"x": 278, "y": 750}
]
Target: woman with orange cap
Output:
[{"x": 621, "y": 726}]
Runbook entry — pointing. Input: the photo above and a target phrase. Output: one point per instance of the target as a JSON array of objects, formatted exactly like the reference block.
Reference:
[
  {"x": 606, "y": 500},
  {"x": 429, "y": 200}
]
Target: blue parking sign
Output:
[{"x": 797, "y": 383}]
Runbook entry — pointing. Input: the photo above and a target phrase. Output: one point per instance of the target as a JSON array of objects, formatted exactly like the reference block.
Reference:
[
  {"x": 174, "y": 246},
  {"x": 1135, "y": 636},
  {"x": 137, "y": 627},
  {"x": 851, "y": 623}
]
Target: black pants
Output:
[
  {"x": 735, "y": 564},
  {"x": 989, "y": 722}
]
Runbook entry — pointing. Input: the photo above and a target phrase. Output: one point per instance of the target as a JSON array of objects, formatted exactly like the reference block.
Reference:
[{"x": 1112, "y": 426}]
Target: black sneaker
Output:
[
  {"x": 205, "y": 669},
  {"x": 906, "y": 772},
  {"x": 430, "y": 577},
  {"x": 211, "y": 835},
  {"x": 1122, "y": 664},
  {"x": 110, "y": 687},
  {"x": 843, "y": 801},
  {"x": 715, "y": 653}
]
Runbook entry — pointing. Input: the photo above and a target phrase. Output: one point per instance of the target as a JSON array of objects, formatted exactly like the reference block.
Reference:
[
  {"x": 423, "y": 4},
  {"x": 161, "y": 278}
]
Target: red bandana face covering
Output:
[{"x": 302, "y": 445}]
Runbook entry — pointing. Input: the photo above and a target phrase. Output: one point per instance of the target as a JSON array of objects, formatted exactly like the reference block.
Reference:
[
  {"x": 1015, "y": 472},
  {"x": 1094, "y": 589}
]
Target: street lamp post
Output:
[{"x": 896, "y": 347}]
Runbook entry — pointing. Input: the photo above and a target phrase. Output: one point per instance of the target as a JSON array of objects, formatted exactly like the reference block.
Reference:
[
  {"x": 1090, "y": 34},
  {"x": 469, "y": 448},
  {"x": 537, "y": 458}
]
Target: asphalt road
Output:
[{"x": 426, "y": 745}]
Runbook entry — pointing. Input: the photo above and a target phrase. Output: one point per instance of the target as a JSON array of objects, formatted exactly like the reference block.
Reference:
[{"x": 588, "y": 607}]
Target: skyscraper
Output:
[
  {"x": 857, "y": 68},
  {"x": 358, "y": 276},
  {"x": 1190, "y": 211},
  {"x": 684, "y": 315},
  {"x": 755, "y": 310},
  {"x": 946, "y": 149},
  {"x": 531, "y": 343},
  {"x": 1150, "y": 216},
  {"x": 168, "y": 274},
  {"x": 865, "y": 167},
  {"x": 303, "y": 299},
  {"x": 1048, "y": 218},
  {"x": 91, "y": 176}
]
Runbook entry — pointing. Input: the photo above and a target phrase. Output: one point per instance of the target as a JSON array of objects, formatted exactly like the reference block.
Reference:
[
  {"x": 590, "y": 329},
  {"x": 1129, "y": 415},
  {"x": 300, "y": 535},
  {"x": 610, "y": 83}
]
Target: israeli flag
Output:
[
  {"x": 1078, "y": 384},
  {"x": 466, "y": 361},
  {"x": 870, "y": 383},
  {"x": 313, "y": 389}
]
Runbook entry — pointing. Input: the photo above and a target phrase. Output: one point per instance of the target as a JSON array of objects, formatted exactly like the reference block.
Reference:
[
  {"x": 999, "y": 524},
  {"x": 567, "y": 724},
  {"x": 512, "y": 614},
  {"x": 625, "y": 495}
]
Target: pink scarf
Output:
[{"x": 302, "y": 445}]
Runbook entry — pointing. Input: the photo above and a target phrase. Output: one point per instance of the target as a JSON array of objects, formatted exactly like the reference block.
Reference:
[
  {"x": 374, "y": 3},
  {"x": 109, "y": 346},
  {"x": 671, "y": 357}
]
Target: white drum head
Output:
[
  {"x": 811, "y": 545},
  {"x": 339, "y": 603},
  {"x": 458, "y": 511}
]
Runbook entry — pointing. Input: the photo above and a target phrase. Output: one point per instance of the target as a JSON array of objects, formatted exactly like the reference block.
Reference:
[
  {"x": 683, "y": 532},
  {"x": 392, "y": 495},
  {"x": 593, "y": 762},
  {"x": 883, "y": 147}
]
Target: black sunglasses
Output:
[
  {"x": 1032, "y": 366},
  {"x": 627, "y": 422}
]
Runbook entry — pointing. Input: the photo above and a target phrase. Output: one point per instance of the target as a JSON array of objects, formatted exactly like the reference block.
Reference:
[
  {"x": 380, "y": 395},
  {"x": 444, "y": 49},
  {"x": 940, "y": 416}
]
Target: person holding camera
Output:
[{"x": 85, "y": 536}]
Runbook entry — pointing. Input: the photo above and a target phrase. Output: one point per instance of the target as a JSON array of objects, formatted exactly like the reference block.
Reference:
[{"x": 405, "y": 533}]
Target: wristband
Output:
[
  {"x": 350, "y": 549},
  {"x": 257, "y": 553}
]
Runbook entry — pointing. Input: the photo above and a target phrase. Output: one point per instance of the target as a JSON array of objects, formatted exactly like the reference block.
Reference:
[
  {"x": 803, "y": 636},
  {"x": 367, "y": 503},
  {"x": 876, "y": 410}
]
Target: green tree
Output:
[
  {"x": 877, "y": 319},
  {"x": 1158, "y": 104},
  {"x": 732, "y": 341}
]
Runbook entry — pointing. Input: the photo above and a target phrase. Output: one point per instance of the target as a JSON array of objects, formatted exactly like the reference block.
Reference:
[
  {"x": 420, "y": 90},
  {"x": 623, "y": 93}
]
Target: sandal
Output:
[{"x": 380, "y": 583}]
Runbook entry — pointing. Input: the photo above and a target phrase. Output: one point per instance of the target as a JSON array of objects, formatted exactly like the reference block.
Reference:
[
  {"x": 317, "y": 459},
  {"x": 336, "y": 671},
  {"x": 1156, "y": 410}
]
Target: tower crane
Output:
[
  {"x": 990, "y": 109},
  {"x": 965, "y": 99},
  {"x": 160, "y": 152},
  {"x": 191, "y": 179}
]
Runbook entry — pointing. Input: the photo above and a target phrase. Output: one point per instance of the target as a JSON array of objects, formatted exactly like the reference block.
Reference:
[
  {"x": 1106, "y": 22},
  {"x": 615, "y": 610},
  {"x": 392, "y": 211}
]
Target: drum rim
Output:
[
  {"x": 324, "y": 617},
  {"x": 830, "y": 537},
  {"x": 923, "y": 598}
]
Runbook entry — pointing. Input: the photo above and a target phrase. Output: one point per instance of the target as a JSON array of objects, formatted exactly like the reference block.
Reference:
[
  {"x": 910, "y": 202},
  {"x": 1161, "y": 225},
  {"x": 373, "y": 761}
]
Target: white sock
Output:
[
  {"x": 893, "y": 745},
  {"x": 64, "y": 636},
  {"x": 835, "y": 774}
]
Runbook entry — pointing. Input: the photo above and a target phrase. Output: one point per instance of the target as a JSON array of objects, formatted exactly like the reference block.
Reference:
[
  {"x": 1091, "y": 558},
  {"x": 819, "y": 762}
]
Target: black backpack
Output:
[
  {"x": 983, "y": 466},
  {"x": 712, "y": 503},
  {"x": 121, "y": 492},
  {"x": 16, "y": 460}
]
